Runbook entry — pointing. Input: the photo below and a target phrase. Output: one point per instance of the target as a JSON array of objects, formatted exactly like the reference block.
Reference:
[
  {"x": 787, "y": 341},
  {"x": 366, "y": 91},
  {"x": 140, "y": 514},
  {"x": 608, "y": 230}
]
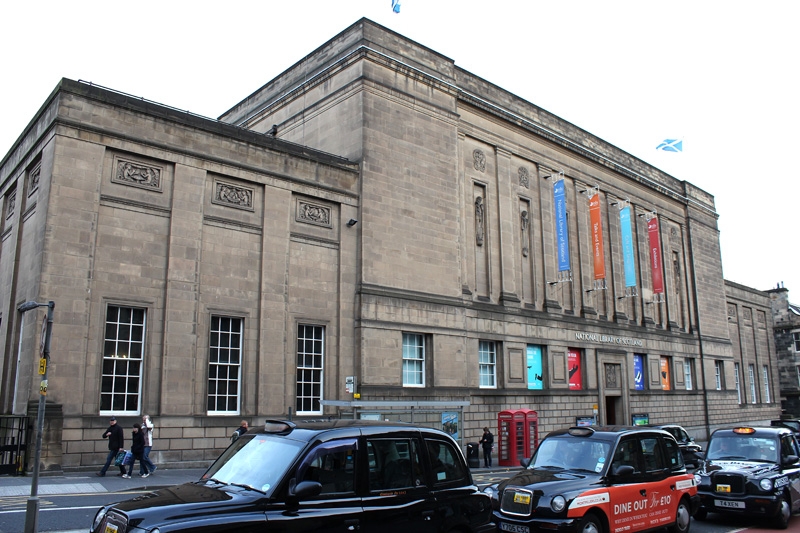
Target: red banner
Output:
[
  {"x": 655, "y": 255},
  {"x": 597, "y": 237},
  {"x": 575, "y": 374}
]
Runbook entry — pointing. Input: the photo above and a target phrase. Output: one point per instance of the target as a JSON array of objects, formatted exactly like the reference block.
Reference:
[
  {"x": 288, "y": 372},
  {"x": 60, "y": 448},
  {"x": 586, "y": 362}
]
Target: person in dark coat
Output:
[
  {"x": 116, "y": 444},
  {"x": 487, "y": 441},
  {"x": 137, "y": 450},
  {"x": 241, "y": 431}
]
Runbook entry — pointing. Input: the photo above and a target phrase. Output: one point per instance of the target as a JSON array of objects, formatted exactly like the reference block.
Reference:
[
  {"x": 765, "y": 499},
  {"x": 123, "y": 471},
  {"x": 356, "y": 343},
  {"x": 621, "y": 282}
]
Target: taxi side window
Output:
[
  {"x": 393, "y": 464},
  {"x": 332, "y": 465},
  {"x": 653, "y": 456},
  {"x": 674, "y": 457},
  {"x": 627, "y": 454},
  {"x": 445, "y": 465},
  {"x": 788, "y": 447}
]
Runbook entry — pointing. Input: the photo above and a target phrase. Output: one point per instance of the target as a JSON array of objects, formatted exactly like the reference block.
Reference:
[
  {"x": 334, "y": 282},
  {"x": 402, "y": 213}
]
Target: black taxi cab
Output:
[
  {"x": 752, "y": 471},
  {"x": 327, "y": 477},
  {"x": 599, "y": 479}
]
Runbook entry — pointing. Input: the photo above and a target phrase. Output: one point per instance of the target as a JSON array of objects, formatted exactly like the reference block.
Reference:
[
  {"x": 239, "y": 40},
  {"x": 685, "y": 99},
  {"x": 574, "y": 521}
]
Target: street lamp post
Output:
[{"x": 32, "y": 509}]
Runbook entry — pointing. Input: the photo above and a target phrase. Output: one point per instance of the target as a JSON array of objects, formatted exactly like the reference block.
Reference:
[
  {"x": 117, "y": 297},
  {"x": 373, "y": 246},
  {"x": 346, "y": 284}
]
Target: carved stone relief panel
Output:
[
  {"x": 11, "y": 200},
  {"x": 136, "y": 174},
  {"x": 479, "y": 160},
  {"x": 310, "y": 213},
  {"x": 524, "y": 177},
  {"x": 33, "y": 178},
  {"x": 480, "y": 220},
  {"x": 612, "y": 372},
  {"x": 231, "y": 195},
  {"x": 732, "y": 311}
]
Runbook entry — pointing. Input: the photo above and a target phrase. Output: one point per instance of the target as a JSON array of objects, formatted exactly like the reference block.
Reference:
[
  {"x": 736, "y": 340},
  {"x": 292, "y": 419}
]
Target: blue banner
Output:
[
  {"x": 534, "y": 362},
  {"x": 638, "y": 372},
  {"x": 562, "y": 231},
  {"x": 627, "y": 246}
]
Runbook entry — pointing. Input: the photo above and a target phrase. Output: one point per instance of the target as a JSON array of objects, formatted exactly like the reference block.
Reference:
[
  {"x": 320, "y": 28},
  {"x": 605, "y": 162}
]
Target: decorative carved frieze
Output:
[
  {"x": 309, "y": 213},
  {"x": 33, "y": 178},
  {"x": 231, "y": 195},
  {"x": 137, "y": 174},
  {"x": 612, "y": 376},
  {"x": 11, "y": 201},
  {"x": 524, "y": 177}
]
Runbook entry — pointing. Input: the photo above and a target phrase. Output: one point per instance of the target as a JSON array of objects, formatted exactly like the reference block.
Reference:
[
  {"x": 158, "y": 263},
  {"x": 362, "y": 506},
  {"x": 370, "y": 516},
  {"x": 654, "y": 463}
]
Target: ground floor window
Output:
[
  {"x": 310, "y": 351},
  {"x": 123, "y": 354},
  {"x": 224, "y": 365}
]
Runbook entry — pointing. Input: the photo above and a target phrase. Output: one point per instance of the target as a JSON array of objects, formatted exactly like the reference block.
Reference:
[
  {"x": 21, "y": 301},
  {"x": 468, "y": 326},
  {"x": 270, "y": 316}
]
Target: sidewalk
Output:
[{"x": 88, "y": 482}]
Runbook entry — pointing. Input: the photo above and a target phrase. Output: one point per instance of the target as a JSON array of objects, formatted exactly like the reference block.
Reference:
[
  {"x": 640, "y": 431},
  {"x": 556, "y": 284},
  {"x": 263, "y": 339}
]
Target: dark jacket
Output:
[
  {"x": 137, "y": 443},
  {"x": 116, "y": 440},
  {"x": 487, "y": 441}
]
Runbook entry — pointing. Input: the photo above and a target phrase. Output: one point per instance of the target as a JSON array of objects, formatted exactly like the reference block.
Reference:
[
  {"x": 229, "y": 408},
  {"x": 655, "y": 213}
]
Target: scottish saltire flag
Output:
[
  {"x": 671, "y": 145},
  {"x": 396, "y": 6}
]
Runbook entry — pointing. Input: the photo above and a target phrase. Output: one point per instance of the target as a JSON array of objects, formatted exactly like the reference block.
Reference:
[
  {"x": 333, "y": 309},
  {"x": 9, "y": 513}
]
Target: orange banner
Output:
[
  {"x": 597, "y": 237},
  {"x": 655, "y": 255}
]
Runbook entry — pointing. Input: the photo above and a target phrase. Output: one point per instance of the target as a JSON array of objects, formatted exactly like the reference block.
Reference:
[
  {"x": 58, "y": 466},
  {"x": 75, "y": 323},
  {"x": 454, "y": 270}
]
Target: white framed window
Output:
[
  {"x": 224, "y": 365},
  {"x": 487, "y": 364},
  {"x": 310, "y": 355},
  {"x": 123, "y": 355},
  {"x": 765, "y": 371},
  {"x": 796, "y": 341},
  {"x": 718, "y": 375},
  {"x": 413, "y": 360},
  {"x": 687, "y": 374},
  {"x": 738, "y": 384},
  {"x": 751, "y": 375}
]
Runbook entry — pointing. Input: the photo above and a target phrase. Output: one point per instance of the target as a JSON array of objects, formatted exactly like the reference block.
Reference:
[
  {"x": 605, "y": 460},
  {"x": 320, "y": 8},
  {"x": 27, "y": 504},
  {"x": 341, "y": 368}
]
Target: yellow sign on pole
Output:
[{"x": 42, "y": 366}]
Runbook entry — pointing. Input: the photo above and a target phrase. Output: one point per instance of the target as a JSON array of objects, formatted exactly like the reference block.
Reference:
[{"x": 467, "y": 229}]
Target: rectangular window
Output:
[
  {"x": 751, "y": 375},
  {"x": 666, "y": 382},
  {"x": 123, "y": 353},
  {"x": 310, "y": 351},
  {"x": 718, "y": 375},
  {"x": 687, "y": 374},
  {"x": 796, "y": 341},
  {"x": 224, "y": 365},
  {"x": 413, "y": 360},
  {"x": 638, "y": 371},
  {"x": 766, "y": 384},
  {"x": 738, "y": 384},
  {"x": 487, "y": 364}
]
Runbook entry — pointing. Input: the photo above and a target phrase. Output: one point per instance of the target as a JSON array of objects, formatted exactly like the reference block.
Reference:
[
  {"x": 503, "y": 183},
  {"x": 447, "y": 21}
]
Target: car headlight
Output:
[
  {"x": 765, "y": 484},
  {"x": 99, "y": 518},
  {"x": 558, "y": 503}
]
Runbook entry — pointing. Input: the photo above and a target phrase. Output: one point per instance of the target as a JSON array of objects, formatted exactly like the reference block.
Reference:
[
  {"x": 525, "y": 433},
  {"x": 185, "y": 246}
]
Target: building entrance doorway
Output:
[{"x": 614, "y": 411}]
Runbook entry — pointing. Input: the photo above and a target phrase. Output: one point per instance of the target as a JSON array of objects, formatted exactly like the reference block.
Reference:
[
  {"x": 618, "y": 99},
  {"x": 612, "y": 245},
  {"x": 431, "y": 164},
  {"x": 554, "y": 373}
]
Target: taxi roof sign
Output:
[
  {"x": 581, "y": 431},
  {"x": 279, "y": 426},
  {"x": 744, "y": 430}
]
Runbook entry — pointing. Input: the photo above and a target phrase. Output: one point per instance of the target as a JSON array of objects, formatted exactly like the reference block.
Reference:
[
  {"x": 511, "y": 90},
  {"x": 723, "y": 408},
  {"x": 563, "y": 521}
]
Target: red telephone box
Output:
[{"x": 517, "y": 435}]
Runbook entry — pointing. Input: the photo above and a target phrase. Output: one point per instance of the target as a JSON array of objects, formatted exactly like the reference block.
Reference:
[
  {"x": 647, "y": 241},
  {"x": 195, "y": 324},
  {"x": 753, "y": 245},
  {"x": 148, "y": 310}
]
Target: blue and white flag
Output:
[
  {"x": 396, "y": 6},
  {"x": 671, "y": 145}
]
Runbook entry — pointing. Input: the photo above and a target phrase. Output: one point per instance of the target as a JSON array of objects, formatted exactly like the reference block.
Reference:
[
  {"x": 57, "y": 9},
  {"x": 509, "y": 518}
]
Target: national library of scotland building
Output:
[{"x": 374, "y": 233}]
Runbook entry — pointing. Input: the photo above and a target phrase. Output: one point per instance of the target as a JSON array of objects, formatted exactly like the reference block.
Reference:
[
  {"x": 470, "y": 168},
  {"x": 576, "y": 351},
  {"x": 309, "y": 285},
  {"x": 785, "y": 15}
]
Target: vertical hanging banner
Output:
[
  {"x": 666, "y": 382},
  {"x": 655, "y": 255},
  {"x": 638, "y": 372},
  {"x": 627, "y": 246},
  {"x": 574, "y": 365},
  {"x": 597, "y": 237},
  {"x": 534, "y": 364},
  {"x": 562, "y": 231}
]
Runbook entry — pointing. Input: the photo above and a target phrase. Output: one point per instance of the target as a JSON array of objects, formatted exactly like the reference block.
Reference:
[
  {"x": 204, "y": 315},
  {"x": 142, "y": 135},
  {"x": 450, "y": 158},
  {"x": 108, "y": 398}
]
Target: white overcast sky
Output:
[{"x": 722, "y": 75}]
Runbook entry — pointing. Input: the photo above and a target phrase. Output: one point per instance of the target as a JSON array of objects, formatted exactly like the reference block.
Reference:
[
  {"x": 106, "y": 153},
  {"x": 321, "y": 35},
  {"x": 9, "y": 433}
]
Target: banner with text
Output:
[
  {"x": 562, "y": 230},
  {"x": 597, "y": 237},
  {"x": 574, "y": 365},
  {"x": 655, "y": 255},
  {"x": 627, "y": 246}
]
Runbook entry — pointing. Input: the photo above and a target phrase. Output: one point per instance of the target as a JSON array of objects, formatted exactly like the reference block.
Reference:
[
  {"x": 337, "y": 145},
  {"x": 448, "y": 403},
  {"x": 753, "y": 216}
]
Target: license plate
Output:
[
  {"x": 723, "y": 488},
  {"x": 731, "y": 505},
  {"x": 514, "y": 528}
]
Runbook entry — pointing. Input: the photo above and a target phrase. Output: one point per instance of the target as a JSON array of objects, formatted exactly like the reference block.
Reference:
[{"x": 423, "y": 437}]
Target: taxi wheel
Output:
[
  {"x": 701, "y": 514},
  {"x": 682, "y": 518},
  {"x": 784, "y": 513},
  {"x": 590, "y": 524}
]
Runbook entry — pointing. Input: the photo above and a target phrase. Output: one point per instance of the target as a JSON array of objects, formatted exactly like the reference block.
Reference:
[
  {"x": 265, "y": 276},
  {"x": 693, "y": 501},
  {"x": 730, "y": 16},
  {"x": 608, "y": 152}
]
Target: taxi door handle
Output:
[
  {"x": 352, "y": 525},
  {"x": 643, "y": 492},
  {"x": 427, "y": 515}
]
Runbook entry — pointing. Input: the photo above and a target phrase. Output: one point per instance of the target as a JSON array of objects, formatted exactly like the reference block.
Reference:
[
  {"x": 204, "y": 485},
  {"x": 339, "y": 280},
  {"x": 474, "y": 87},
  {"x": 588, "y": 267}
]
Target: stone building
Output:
[
  {"x": 375, "y": 232},
  {"x": 786, "y": 317}
]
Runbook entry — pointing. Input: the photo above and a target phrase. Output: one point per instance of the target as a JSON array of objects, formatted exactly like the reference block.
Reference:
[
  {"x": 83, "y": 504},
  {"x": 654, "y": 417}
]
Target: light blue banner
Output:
[
  {"x": 627, "y": 246},
  {"x": 534, "y": 362},
  {"x": 562, "y": 231}
]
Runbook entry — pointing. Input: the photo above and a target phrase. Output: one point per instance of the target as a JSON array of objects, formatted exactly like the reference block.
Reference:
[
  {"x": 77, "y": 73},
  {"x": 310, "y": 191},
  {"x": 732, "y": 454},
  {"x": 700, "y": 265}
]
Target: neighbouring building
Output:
[
  {"x": 375, "y": 232},
  {"x": 786, "y": 317}
]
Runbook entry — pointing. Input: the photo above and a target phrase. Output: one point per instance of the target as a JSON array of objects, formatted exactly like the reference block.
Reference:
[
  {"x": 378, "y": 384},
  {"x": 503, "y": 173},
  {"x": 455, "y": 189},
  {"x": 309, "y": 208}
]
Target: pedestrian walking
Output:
[
  {"x": 487, "y": 441},
  {"x": 137, "y": 451},
  {"x": 116, "y": 444},
  {"x": 242, "y": 429},
  {"x": 147, "y": 431}
]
